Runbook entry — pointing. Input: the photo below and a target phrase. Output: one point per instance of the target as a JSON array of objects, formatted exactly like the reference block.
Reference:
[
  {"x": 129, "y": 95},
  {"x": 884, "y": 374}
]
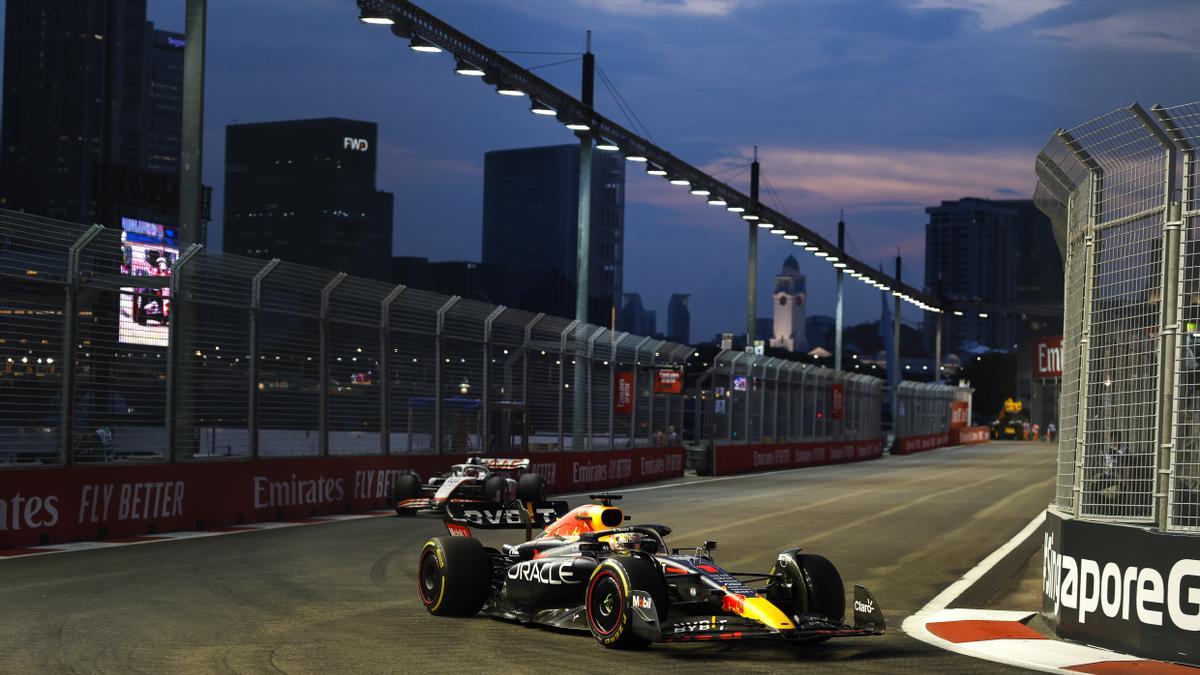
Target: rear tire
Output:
[
  {"x": 816, "y": 587},
  {"x": 453, "y": 576},
  {"x": 531, "y": 487},
  {"x": 408, "y": 486},
  {"x": 607, "y": 605}
]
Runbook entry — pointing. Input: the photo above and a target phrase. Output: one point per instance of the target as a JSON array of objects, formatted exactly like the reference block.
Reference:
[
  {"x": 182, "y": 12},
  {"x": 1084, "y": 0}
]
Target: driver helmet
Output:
[
  {"x": 472, "y": 472},
  {"x": 625, "y": 542}
]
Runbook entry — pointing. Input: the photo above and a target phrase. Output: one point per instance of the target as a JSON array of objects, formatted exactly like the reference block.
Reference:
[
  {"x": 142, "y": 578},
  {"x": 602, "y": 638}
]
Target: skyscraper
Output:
[
  {"x": 635, "y": 318},
  {"x": 162, "y": 100},
  {"x": 679, "y": 319},
  {"x": 530, "y": 227},
  {"x": 1001, "y": 253},
  {"x": 72, "y": 106},
  {"x": 304, "y": 191}
]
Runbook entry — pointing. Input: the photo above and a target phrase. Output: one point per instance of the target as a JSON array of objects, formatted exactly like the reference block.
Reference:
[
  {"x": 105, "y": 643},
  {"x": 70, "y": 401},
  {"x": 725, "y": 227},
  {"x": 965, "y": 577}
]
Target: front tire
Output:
[
  {"x": 810, "y": 585},
  {"x": 453, "y": 576},
  {"x": 607, "y": 605}
]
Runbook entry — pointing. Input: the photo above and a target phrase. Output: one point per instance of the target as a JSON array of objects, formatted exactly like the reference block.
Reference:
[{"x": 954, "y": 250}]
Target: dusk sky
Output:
[{"x": 877, "y": 107}]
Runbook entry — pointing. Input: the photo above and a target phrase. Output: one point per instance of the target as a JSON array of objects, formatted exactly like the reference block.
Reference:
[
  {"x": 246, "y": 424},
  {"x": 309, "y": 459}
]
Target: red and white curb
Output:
[
  {"x": 1003, "y": 636},
  {"x": 27, "y": 551}
]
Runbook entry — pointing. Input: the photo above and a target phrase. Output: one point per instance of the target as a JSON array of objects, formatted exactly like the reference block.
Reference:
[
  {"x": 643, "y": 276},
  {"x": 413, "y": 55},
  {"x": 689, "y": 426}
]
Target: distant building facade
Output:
[
  {"x": 304, "y": 191},
  {"x": 91, "y": 97},
  {"x": 635, "y": 318},
  {"x": 1000, "y": 253},
  {"x": 791, "y": 300},
  {"x": 472, "y": 280},
  {"x": 679, "y": 319},
  {"x": 530, "y": 227}
]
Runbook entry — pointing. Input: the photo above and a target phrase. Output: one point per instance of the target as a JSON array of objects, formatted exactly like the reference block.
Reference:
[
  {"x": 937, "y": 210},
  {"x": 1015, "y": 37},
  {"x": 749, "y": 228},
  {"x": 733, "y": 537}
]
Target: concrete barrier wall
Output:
[{"x": 1126, "y": 588}]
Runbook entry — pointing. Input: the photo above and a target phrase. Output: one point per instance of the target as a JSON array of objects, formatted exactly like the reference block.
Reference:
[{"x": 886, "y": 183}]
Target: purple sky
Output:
[{"x": 878, "y": 107}]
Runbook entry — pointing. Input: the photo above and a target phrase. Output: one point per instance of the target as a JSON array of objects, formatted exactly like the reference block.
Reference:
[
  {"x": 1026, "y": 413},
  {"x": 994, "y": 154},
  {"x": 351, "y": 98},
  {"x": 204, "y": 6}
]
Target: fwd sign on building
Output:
[{"x": 1047, "y": 357}]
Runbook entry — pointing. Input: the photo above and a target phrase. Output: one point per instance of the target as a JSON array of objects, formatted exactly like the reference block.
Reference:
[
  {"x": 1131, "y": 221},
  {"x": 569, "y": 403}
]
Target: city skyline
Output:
[{"x": 968, "y": 96}]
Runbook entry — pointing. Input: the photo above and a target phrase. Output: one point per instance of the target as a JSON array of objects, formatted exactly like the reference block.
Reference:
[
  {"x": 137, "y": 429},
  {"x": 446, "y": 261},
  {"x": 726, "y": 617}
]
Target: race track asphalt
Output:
[{"x": 342, "y": 597}]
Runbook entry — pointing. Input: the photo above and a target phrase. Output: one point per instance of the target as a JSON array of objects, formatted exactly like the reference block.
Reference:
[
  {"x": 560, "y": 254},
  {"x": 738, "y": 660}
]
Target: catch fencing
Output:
[
  {"x": 1129, "y": 443},
  {"x": 116, "y": 346}
]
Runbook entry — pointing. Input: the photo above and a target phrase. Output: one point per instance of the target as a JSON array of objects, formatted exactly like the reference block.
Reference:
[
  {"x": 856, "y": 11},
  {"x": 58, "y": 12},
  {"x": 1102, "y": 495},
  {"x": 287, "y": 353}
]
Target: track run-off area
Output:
[{"x": 342, "y": 597}]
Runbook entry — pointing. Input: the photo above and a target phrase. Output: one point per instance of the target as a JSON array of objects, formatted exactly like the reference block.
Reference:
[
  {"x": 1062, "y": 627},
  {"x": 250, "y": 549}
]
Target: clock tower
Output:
[{"x": 791, "y": 300}]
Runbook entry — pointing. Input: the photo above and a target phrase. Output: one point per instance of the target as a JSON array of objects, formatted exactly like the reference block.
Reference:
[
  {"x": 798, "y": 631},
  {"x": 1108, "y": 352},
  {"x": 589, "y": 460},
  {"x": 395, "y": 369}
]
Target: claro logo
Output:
[
  {"x": 19, "y": 512},
  {"x": 1090, "y": 586}
]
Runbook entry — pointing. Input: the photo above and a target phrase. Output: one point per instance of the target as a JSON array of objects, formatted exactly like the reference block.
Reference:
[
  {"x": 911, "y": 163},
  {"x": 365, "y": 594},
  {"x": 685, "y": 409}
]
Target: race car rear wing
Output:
[
  {"x": 514, "y": 515},
  {"x": 500, "y": 464}
]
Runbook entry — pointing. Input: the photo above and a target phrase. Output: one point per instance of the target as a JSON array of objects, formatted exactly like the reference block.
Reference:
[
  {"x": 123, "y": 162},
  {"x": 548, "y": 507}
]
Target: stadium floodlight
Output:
[
  {"x": 789, "y": 237},
  {"x": 735, "y": 209},
  {"x": 810, "y": 248},
  {"x": 717, "y": 201},
  {"x": 832, "y": 259},
  {"x": 680, "y": 181},
  {"x": 463, "y": 68},
  {"x": 539, "y": 108},
  {"x": 655, "y": 170},
  {"x": 749, "y": 216},
  {"x": 820, "y": 254},
  {"x": 578, "y": 125},
  {"x": 958, "y": 312},
  {"x": 375, "y": 17},
  {"x": 636, "y": 158},
  {"x": 700, "y": 192},
  {"x": 765, "y": 226},
  {"x": 983, "y": 315},
  {"x": 839, "y": 265},
  {"x": 420, "y": 44},
  {"x": 606, "y": 145},
  {"x": 506, "y": 89}
]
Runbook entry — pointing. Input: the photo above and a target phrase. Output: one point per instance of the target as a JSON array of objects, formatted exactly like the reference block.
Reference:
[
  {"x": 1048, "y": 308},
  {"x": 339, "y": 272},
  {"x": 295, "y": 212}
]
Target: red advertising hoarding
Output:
[
  {"x": 55, "y": 505},
  {"x": 668, "y": 381},
  {"x": 735, "y": 459},
  {"x": 1047, "y": 357},
  {"x": 623, "y": 393},
  {"x": 958, "y": 414},
  {"x": 837, "y": 406}
]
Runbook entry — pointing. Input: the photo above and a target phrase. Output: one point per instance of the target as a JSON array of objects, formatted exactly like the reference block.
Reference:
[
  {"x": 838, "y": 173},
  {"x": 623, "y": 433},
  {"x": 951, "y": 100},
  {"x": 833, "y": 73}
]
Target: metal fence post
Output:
[
  {"x": 323, "y": 366},
  {"x": 525, "y": 377},
  {"x": 385, "y": 370},
  {"x": 637, "y": 356},
  {"x": 170, "y": 413},
  {"x": 439, "y": 357},
  {"x": 650, "y": 395},
  {"x": 750, "y": 364},
  {"x": 485, "y": 434},
  {"x": 1096, "y": 182},
  {"x": 1168, "y": 332},
  {"x": 612, "y": 393},
  {"x": 729, "y": 393},
  {"x": 252, "y": 421},
  {"x": 70, "y": 319},
  {"x": 562, "y": 382},
  {"x": 591, "y": 364}
]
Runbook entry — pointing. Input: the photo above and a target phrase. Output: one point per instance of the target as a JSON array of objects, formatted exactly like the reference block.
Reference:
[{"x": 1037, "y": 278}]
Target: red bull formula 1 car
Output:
[
  {"x": 589, "y": 571},
  {"x": 479, "y": 479}
]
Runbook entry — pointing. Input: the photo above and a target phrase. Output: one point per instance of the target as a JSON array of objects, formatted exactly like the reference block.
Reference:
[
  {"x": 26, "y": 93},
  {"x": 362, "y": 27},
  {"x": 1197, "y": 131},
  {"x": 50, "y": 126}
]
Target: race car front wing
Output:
[{"x": 868, "y": 621}]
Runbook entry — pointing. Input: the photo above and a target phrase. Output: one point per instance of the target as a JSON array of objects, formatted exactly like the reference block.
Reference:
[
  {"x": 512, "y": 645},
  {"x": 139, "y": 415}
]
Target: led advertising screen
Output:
[{"x": 148, "y": 251}]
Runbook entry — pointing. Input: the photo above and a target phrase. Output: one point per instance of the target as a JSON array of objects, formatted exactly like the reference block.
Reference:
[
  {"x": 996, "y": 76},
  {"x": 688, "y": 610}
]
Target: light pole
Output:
[
  {"x": 837, "y": 321},
  {"x": 752, "y": 262}
]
